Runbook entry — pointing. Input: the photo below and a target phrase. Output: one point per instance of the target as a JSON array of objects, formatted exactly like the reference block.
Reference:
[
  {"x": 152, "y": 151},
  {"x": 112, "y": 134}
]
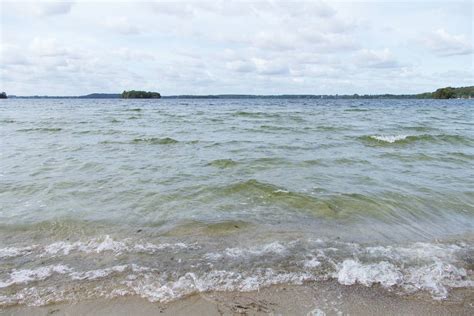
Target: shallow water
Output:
[{"x": 164, "y": 198}]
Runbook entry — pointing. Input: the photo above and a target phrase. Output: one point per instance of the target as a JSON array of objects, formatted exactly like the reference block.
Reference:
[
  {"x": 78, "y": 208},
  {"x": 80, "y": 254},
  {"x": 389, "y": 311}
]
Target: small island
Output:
[
  {"x": 3, "y": 95},
  {"x": 134, "y": 94},
  {"x": 449, "y": 93}
]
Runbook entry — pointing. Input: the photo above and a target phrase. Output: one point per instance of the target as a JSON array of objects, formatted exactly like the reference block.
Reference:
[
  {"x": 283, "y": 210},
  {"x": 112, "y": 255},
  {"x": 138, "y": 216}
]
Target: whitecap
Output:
[
  {"x": 25, "y": 276},
  {"x": 389, "y": 138}
]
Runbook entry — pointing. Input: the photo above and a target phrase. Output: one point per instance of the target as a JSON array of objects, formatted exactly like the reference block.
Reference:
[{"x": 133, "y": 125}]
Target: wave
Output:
[
  {"x": 7, "y": 121},
  {"x": 222, "y": 163},
  {"x": 92, "y": 246},
  {"x": 195, "y": 228},
  {"x": 389, "y": 139},
  {"x": 336, "y": 206},
  {"x": 278, "y": 128},
  {"x": 41, "y": 129},
  {"x": 406, "y": 139},
  {"x": 155, "y": 141},
  {"x": 434, "y": 268},
  {"x": 149, "y": 141},
  {"x": 9, "y": 252},
  {"x": 256, "y": 114},
  {"x": 269, "y": 193},
  {"x": 356, "y": 110},
  {"x": 33, "y": 275}
]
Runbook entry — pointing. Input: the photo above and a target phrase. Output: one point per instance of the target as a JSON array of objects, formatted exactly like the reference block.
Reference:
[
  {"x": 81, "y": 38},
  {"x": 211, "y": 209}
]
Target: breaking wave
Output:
[
  {"x": 427, "y": 267},
  {"x": 405, "y": 139}
]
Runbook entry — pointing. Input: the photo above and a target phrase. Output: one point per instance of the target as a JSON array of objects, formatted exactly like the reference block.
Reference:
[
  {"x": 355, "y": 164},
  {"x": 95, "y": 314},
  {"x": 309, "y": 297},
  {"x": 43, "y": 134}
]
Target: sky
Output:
[{"x": 235, "y": 47}]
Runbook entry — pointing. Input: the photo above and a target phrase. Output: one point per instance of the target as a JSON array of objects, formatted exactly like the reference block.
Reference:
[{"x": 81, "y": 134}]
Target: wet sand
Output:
[{"x": 322, "y": 298}]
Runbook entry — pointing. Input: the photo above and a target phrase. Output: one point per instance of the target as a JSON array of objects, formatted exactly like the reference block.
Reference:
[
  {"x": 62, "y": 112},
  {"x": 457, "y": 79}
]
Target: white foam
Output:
[
  {"x": 312, "y": 263},
  {"x": 108, "y": 244},
  {"x": 416, "y": 252},
  {"x": 436, "y": 279},
  {"x": 352, "y": 272},
  {"x": 149, "y": 247},
  {"x": 274, "y": 247},
  {"x": 389, "y": 138},
  {"x": 433, "y": 268},
  {"x": 101, "y": 273},
  {"x": 60, "y": 247},
  {"x": 281, "y": 191},
  {"x": 159, "y": 290},
  {"x": 316, "y": 312},
  {"x": 10, "y": 252},
  {"x": 28, "y": 275},
  {"x": 97, "y": 274}
]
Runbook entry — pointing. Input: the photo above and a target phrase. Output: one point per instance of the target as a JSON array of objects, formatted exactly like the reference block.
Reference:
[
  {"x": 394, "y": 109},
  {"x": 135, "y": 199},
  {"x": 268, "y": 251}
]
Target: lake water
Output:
[{"x": 165, "y": 198}]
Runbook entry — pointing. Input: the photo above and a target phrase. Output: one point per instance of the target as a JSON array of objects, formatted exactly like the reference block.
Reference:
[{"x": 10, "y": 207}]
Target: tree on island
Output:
[
  {"x": 134, "y": 94},
  {"x": 3, "y": 95},
  {"x": 445, "y": 93}
]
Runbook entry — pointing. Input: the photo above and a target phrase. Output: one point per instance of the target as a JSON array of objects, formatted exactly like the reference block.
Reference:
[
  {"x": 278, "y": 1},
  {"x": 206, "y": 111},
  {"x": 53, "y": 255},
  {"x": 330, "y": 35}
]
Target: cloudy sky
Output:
[{"x": 248, "y": 47}]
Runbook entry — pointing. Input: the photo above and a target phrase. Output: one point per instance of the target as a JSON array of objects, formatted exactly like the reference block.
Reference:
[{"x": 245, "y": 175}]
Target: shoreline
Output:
[{"x": 314, "y": 298}]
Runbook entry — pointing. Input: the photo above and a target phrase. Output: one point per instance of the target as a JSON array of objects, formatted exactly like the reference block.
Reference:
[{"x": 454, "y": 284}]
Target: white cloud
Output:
[
  {"x": 134, "y": 54},
  {"x": 47, "y": 47},
  {"x": 376, "y": 59},
  {"x": 271, "y": 67},
  {"x": 225, "y": 46},
  {"x": 281, "y": 8},
  {"x": 12, "y": 55},
  {"x": 445, "y": 44},
  {"x": 48, "y": 8},
  {"x": 121, "y": 25},
  {"x": 241, "y": 66},
  {"x": 176, "y": 9},
  {"x": 310, "y": 9}
]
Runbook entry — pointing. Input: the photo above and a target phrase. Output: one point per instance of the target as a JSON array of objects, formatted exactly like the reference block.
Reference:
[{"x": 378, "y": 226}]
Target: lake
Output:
[{"x": 166, "y": 198}]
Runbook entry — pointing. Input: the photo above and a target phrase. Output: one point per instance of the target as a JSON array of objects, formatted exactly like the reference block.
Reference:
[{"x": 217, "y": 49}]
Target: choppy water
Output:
[{"x": 166, "y": 198}]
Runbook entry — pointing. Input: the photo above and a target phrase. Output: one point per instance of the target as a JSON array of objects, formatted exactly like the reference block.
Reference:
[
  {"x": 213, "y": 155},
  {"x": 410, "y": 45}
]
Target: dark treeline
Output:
[
  {"x": 292, "y": 96},
  {"x": 442, "y": 93},
  {"x": 453, "y": 93},
  {"x": 134, "y": 94}
]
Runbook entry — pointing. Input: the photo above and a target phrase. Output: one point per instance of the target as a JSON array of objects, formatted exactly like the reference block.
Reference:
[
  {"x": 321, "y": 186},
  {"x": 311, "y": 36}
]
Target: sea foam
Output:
[
  {"x": 389, "y": 138},
  {"x": 434, "y": 268}
]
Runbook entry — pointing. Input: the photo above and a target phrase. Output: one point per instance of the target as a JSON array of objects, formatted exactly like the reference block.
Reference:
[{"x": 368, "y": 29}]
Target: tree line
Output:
[{"x": 134, "y": 94}]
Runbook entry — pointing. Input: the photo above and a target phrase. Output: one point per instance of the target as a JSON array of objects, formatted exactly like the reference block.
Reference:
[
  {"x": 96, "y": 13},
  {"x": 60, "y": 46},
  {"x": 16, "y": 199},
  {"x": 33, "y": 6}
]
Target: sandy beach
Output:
[{"x": 322, "y": 298}]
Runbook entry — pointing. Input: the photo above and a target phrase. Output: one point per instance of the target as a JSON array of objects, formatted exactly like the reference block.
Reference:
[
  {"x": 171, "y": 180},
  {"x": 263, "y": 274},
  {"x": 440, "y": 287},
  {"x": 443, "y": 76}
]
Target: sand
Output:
[{"x": 323, "y": 298}]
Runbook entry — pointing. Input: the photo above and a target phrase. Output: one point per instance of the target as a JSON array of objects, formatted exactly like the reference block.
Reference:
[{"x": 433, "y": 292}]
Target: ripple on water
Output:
[
  {"x": 41, "y": 129},
  {"x": 151, "y": 215},
  {"x": 223, "y": 163},
  {"x": 155, "y": 141}
]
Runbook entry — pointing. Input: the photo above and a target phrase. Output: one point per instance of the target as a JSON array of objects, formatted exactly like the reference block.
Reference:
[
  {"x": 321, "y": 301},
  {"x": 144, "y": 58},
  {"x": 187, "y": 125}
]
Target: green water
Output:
[{"x": 163, "y": 198}]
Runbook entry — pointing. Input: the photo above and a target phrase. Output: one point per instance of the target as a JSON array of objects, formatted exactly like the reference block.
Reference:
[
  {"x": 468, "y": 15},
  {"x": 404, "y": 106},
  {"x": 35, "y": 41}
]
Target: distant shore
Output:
[
  {"x": 441, "y": 93},
  {"x": 322, "y": 298}
]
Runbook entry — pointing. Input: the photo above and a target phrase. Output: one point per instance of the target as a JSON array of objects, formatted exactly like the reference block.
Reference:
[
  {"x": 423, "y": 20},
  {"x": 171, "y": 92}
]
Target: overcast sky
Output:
[{"x": 245, "y": 47}]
